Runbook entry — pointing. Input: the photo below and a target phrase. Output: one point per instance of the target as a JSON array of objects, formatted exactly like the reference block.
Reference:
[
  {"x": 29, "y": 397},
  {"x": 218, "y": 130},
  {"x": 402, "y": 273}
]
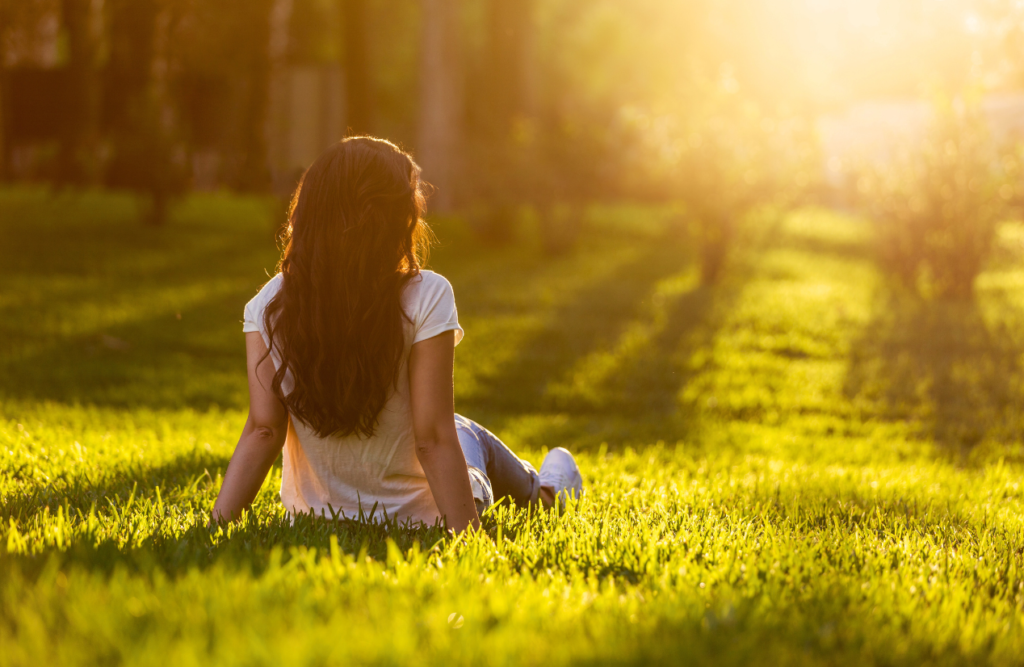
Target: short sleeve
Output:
[
  {"x": 436, "y": 312},
  {"x": 253, "y": 315},
  {"x": 250, "y": 322}
]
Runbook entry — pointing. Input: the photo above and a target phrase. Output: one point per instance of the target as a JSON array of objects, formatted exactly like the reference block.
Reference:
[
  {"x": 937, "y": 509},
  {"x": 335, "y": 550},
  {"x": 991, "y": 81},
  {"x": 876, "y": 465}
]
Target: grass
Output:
[{"x": 796, "y": 467}]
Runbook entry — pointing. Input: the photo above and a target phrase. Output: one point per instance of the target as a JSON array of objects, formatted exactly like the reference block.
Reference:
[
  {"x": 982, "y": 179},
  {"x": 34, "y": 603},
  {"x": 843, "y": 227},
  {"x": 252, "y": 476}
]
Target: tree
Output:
[
  {"x": 18, "y": 20},
  {"x": 501, "y": 119},
  {"x": 506, "y": 59},
  {"x": 440, "y": 108},
  {"x": 358, "y": 84},
  {"x": 255, "y": 19},
  {"x": 5, "y": 21},
  {"x": 139, "y": 116},
  {"x": 77, "y": 163},
  {"x": 222, "y": 86},
  {"x": 937, "y": 206}
]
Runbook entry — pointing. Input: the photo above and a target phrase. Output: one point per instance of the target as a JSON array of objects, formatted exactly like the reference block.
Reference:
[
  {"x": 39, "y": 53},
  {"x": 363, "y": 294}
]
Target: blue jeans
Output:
[{"x": 491, "y": 463}]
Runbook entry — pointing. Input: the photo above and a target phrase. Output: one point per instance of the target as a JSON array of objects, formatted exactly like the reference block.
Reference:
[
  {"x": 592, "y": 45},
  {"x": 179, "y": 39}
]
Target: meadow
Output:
[{"x": 798, "y": 466}]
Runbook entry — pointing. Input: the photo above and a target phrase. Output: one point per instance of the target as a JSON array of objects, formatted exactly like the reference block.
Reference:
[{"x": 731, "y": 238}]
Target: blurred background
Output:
[
  {"x": 800, "y": 215},
  {"x": 760, "y": 263},
  {"x": 543, "y": 103}
]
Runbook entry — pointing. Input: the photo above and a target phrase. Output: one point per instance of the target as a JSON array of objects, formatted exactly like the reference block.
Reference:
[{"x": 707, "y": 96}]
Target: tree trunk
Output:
[
  {"x": 127, "y": 91},
  {"x": 141, "y": 118},
  {"x": 3, "y": 114},
  {"x": 507, "y": 76},
  {"x": 440, "y": 109},
  {"x": 504, "y": 174},
  {"x": 358, "y": 86},
  {"x": 79, "y": 135},
  {"x": 255, "y": 172},
  {"x": 278, "y": 98},
  {"x": 5, "y": 17}
]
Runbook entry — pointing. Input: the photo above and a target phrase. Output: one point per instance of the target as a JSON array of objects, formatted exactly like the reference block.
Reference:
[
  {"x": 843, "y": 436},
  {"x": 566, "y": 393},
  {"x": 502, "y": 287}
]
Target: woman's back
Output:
[
  {"x": 353, "y": 472},
  {"x": 359, "y": 396}
]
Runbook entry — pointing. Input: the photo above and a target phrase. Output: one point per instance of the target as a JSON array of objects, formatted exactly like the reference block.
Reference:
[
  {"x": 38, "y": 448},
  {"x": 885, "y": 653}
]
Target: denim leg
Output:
[
  {"x": 508, "y": 474},
  {"x": 476, "y": 461}
]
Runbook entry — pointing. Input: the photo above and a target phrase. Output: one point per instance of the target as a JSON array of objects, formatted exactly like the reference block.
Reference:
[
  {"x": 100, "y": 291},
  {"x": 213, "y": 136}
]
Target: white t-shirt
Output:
[{"x": 347, "y": 473}]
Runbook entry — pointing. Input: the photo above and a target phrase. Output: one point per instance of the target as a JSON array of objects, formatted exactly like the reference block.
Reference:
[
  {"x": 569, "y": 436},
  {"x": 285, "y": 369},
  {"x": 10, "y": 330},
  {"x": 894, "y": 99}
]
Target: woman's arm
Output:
[
  {"x": 262, "y": 437},
  {"x": 433, "y": 418}
]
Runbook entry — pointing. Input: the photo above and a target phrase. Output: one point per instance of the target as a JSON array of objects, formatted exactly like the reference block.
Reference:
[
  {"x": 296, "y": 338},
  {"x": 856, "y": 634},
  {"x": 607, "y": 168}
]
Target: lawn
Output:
[{"x": 798, "y": 466}]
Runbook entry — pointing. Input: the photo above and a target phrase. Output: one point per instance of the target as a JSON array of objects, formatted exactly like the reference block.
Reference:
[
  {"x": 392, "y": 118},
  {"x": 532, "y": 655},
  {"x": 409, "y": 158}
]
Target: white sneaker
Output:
[{"x": 560, "y": 472}]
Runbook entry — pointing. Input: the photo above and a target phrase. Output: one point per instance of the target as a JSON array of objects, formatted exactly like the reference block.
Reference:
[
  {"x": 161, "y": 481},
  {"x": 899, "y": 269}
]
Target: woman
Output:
[{"x": 350, "y": 352}]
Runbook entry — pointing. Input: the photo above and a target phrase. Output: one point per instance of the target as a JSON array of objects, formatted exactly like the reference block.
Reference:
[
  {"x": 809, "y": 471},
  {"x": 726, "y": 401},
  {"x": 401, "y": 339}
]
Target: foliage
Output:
[
  {"x": 145, "y": 153},
  {"x": 937, "y": 206},
  {"x": 731, "y": 163},
  {"x": 794, "y": 511},
  {"x": 556, "y": 165},
  {"x": 722, "y": 159},
  {"x": 566, "y": 67}
]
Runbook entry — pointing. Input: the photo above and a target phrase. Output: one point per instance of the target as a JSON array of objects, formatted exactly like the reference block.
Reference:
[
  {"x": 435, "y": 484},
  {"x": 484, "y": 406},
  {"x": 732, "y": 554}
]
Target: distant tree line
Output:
[
  {"x": 547, "y": 104},
  {"x": 132, "y": 89}
]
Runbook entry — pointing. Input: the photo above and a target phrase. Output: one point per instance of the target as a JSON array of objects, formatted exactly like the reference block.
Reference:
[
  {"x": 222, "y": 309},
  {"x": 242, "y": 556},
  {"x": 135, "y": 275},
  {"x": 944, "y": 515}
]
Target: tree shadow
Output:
[
  {"x": 248, "y": 543},
  {"x": 145, "y": 520},
  {"x": 942, "y": 367},
  {"x": 653, "y": 382},
  {"x": 594, "y": 315},
  {"x": 640, "y": 394},
  {"x": 99, "y": 309},
  {"x": 140, "y": 541},
  {"x": 177, "y": 479},
  {"x": 627, "y": 389},
  {"x": 187, "y": 357}
]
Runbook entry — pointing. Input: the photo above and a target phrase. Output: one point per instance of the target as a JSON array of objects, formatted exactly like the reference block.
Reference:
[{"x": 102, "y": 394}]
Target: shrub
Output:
[
  {"x": 733, "y": 161},
  {"x": 936, "y": 207}
]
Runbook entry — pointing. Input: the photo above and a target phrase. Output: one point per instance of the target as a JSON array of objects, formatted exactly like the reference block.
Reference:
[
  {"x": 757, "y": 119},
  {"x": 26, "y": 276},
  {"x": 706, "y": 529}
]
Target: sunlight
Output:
[{"x": 744, "y": 278}]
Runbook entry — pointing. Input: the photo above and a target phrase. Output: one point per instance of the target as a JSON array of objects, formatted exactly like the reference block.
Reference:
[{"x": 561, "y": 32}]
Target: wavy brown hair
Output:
[{"x": 355, "y": 237}]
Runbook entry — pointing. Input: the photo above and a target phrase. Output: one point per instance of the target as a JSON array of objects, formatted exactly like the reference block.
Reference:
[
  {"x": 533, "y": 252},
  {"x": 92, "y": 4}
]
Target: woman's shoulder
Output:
[
  {"x": 427, "y": 283},
  {"x": 431, "y": 278},
  {"x": 272, "y": 285},
  {"x": 254, "y": 309},
  {"x": 269, "y": 289},
  {"x": 424, "y": 291},
  {"x": 429, "y": 303}
]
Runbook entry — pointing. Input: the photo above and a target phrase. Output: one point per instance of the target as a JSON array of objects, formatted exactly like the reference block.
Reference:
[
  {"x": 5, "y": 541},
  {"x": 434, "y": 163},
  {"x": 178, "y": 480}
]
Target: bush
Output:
[
  {"x": 732, "y": 162},
  {"x": 555, "y": 165},
  {"x": 936, "y": 208}
]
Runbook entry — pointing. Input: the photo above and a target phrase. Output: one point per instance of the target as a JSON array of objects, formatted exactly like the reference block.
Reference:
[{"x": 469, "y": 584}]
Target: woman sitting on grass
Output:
[{"x": 360, "y": 342}]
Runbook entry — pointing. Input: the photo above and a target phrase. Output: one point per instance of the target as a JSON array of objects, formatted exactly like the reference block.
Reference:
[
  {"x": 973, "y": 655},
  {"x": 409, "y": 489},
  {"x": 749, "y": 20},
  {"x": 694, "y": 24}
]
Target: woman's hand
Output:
[
  {"x": 431, "y": 390},
  {"x": 262, "y": 437}
]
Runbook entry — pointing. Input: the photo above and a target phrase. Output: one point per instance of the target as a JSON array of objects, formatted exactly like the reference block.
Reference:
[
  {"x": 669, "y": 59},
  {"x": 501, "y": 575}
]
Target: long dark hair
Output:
[{"x": 355, "y": 236}]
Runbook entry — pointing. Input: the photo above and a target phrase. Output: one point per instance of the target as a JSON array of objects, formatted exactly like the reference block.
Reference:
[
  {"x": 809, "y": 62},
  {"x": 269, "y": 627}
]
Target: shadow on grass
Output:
[
  {"x": 649, "y": 379},
  {"x": 147, "y": 538},
  {"x": 191, "y": 357},
  {"x": 114, "y": 314},
  {"x": 155, "y": 518},
  {"x": 105, "y": 311},
  {"x": 178, "y": 481},
  {"x": 594, "y": 315},
  {"x": 247, "y": 544},
  {"x": 627, "y": 390},
  {"x": 942, "y": 366}
]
